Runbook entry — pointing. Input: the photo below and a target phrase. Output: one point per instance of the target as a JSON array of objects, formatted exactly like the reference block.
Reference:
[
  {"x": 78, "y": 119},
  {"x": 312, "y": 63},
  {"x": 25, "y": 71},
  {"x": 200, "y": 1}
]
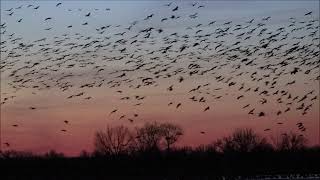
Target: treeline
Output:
[{"x": 150, "y": 151}]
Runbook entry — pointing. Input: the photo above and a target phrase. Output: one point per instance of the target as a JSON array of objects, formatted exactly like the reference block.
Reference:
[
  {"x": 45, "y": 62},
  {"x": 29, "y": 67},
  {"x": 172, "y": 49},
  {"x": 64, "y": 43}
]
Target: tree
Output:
[
  {"x": 290, "y": 142},
  {"x": 84, "y": 154},
  {"x": 171, "y": 134},
  {"x": 241, "y": 140},
  {"x": 52, "y": 154},
  {"x": 113, "y": 141},
  {"x": 149, "y": 137},
  {"x": 152, "y": 135}
]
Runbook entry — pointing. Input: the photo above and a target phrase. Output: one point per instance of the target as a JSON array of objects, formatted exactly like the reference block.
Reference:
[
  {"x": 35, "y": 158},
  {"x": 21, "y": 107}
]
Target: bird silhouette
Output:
[
  {"x": 175, "y": 9},
  {"x": 309, "y": 13},
  {"x": 115, "y": 110},
  {"x": 206, "y": 109},
  {"x": 178, "y": 105},
  {"x": 261, "y": 114}
]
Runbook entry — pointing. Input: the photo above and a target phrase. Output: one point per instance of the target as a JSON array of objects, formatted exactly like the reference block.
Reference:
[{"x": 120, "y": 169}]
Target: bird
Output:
[
  {"x": 164, "y": 19},
  {"x": 266, "y": 18},
  {"x": 178, "y": 105},
  {"x": 48, "y": 18},
  {"x": 309, "y": 13},
  {"x": 175, "y": 9},
  {"x": 278, "y": 113},
  {"x": 193, "y": 4},
  {"x": 58, "y": 4},
  {"x": 261, "y": 114},
  {"x": 87, "y": 15},
  {"x": 206, "y": 109},
  {"x": 113, "y": 111},
  {"x": 246, "y": 106},
  {"x": 66, "y": 122},
  {"x": 149, "y": 16},
  {"x": 169, "y": 4},
  {"x": 180, "y": 79}
]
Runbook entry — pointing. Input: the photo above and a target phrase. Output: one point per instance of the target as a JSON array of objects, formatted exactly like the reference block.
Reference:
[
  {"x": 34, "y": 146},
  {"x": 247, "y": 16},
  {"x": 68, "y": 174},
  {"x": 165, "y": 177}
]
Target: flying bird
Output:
[
  {"x": 175, "y": 9},
  {"x": 206, "y": 109},
  {"x": 113, "y": 111},
  {"x": 309, "y": 13},
  {"x": 178, "y": 105}
]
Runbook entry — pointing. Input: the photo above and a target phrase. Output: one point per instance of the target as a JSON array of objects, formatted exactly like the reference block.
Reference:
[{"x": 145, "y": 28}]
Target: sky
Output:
[{"x": 39, "y": 130}]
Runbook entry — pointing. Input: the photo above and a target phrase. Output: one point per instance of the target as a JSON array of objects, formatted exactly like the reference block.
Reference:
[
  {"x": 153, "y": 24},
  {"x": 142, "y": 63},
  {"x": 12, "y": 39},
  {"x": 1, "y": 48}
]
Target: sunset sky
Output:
[{"x": 39, "y": 130}]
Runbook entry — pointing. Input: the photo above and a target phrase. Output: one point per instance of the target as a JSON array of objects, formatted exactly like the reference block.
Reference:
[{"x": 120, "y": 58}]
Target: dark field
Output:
[{"x": 201, "y": 163}]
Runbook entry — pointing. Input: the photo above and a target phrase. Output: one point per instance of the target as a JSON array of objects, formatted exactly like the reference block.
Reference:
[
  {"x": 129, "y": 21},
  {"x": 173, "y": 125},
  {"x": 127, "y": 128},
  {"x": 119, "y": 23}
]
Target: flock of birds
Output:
[{"x": 251, "y": 58}]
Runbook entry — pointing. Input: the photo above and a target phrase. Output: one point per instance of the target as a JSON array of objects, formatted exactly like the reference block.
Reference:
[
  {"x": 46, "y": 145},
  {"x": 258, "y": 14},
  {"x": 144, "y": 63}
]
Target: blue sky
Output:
[{"x": 124, "y": 12}]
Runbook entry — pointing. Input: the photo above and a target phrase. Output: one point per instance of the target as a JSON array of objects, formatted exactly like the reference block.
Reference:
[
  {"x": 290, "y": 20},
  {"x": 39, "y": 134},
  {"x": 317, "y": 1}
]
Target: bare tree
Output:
[
  {"x": 149, "y": 137},
  {"x": 246, "y": 140},
  {"x": 113, "y": 141},
  {"x": 224, "y": 145},
  {"x": 152, "y": 135},
  {"x": 241, "y": 140},
  {"x": 171, "y": 134},
  {"x": 53, "y": 154},
  {"x": 290, "y": 142}
]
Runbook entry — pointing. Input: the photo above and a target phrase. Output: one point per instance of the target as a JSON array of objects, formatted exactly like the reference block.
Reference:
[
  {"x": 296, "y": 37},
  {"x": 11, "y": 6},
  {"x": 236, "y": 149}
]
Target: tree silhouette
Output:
[
  {"x": 171, "y": 134},
  {"x": 149, "y": 137},
  {"x": 290, "y": 142},
  {"x": 241, "y": 154},
  {"x": 52, "y": 154},
  {"x": 113, "y": 141},
  {"x": 241, "y": 140}
]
